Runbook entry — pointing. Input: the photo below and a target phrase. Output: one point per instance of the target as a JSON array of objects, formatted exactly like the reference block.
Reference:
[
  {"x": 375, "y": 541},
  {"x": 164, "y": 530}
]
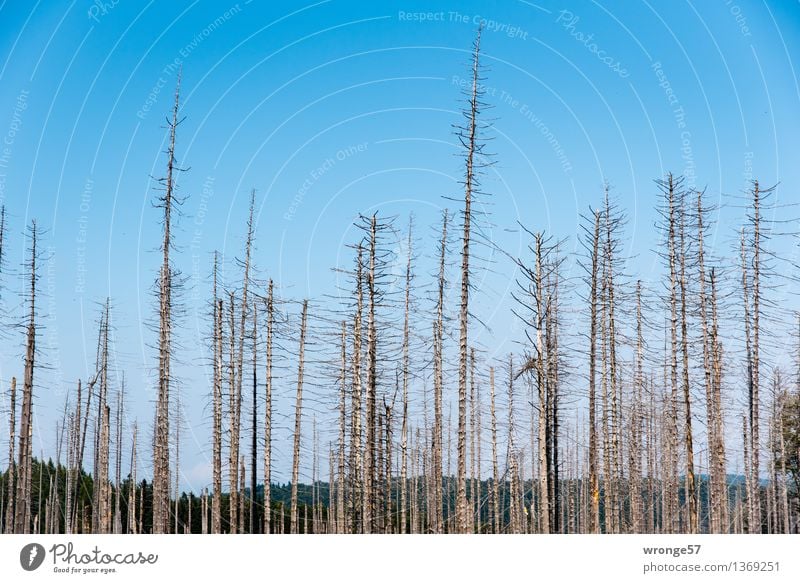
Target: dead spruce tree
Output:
[
  {"x": 718, "y": 464},
  {"x": 22, "y": 507},
  {"x": 754, "y": 269},
  {"x": 254, "y": 425},
  {"x": 671, "y": 210},
  {"x": 358, "y": 503},
  {"x": 10, "y": 474},
  {"x": 270, "y": 315},
  {"x": 469, "y": 136},
  {"x": 169, "y": 202},
  {"x": 536, "y": 298},
  {"x": 717, "y": 479},
  {"x": 692, "y": 509},
  {"x": 102, "y": 431},
  {"x": 437, "y": 520},
  {"x": 234, "y": 419},
  {"x": 298, "y": 416},
  {"x": 217, "y": 312},
  {"x": 592, "y": 244},
  {"x": 406, "y": 373},
  {"x": 244, "y": 311}
]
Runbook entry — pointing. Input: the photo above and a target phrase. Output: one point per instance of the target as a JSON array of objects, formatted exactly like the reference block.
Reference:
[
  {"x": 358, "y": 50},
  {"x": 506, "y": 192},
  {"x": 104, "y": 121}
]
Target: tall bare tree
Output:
[
  {"x": 10, "y": 474},
  {"x": 22, "y": 508},
  {"x": 168, "y": 201},
  {"x": 270, "y": 306},
  {"x": 438, "y": 385},
  {"x": 217, "y": 311},
  {"x": 298, "y": 416},
  {"x": 470, "y": 141}
]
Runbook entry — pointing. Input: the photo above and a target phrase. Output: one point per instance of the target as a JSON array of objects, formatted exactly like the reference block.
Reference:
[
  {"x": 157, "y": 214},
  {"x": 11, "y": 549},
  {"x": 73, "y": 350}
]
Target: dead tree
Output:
[
  {"x": 243, "y": 318},
  {"x": 671, "y": 211},
  {"x": 406, "y": 372},
  {"x": 340, "y": 482},
  {"x": 496, "y": 510},
  {"x": 168, "y": 201},
  {"x": 298, "y": 416},
  {"x": 358, "y": 509},
  {"x": 268, "y": 412},
  {"x": 536, "y": 298},
  {"x": 10, "y": 474},
  {"x": 691, "y": 489},
  {"x": 118, "y": 460},
  {"x": 438, "y": 386},
  {"x": 254, "y": 425},
  {"x": 216, "y": 502},
  {"x": 22, "y": 507},
  {"x": 471, "y": 143},
  {"x": 132, "y": 525},
  {"x": 753, "y": 269},
  {"x": 371, "y": 466},
  {"x": 594, "y": 483},
  {"x": 635, "y": 447},
  {"x": 718, "y": 453}
]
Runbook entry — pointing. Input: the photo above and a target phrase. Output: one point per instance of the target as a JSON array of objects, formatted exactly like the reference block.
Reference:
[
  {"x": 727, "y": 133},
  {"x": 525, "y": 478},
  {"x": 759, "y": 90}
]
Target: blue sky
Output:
[{"x": 333, "y": 108}]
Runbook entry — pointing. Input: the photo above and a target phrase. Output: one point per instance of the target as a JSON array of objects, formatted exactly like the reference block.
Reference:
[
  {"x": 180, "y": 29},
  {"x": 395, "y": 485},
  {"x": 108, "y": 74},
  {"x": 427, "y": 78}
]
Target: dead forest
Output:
[{"x": 630, "y": 406}]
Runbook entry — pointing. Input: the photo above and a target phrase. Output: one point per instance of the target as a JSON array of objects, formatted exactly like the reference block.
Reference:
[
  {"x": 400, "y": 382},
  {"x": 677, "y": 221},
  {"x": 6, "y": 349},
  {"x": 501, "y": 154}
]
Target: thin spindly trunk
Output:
[
  {"x": 161, "y": 466},
  {"x": 594, "y": 483},
  {"x": 268, "y": 414},
  {"x": 24, "y": 467},
  {"x": 298, "y": 417},
  {"x": 496, "y": 510},
  {"x": 691, "y": 490},
  {"x": 10, "y": 474},
  {"x": 216, "y": 501},
  {"x": 470, "y": 141},
  {"x": 438, "y": 387}
]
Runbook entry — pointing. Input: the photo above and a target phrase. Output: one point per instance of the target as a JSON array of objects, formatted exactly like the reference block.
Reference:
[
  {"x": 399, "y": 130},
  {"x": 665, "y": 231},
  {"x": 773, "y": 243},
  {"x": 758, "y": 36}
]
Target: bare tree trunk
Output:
[
  {"x": 243, "y": 316},
  {"x": 754, "y": 398},
  {"x": 216, "y": 501},
  {"x": 10, "y": 474},
  {"x": 610, "y": 245},
  {"x": 23, "y": 496},
  {"x": 714, "y": 501},
  {"x": 594, "y": 485},
  {"x": 254, "y": 426},
  {"x": 242, "y": 498},
  {"x": 298, "y": 413},
  {"x": 719, "y": 433},
  {"x": 372, "y": 467},
  {"x": 234, "y": 410},
  {"x": 691, "y": 489},
  {"x": 359, "y": 503},
  {"x": 132, "y": 491},
  {"x": 161, "y": 466},
  {"x": 751, "y": 481},
  {"x": 784, "y": 494},
  {"x": 636, "y": 422},
  {"x": 438, "y": 386},
  {"x": 496, "y": 511},
  {"x": 340, "y": 482},
  {"x": 118, "y": 464},
  {"x": 470, "y": 142},
  {"x": 406, "y": 359},
  {"x": 268, "y": 414},
  {"x": 177, "y": 461},
  {"x": 746, "y": 441},
  {"x": 387, "y": 477},
  {"x": 474, "y": 495}
]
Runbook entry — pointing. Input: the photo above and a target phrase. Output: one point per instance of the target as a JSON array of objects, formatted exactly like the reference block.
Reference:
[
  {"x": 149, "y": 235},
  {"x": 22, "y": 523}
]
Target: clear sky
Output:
[{"x": 335, "y": 107}]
